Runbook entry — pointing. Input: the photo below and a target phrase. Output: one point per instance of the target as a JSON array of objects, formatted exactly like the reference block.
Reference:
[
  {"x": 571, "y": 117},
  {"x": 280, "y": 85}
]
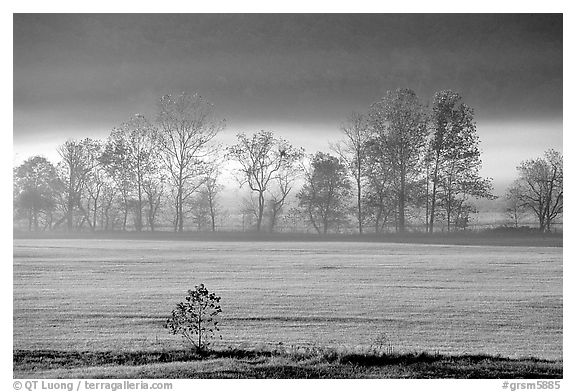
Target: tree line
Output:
[{"x": 398, "y": 163}]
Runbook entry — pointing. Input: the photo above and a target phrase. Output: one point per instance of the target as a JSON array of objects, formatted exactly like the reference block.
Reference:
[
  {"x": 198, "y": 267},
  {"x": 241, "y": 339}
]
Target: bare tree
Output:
[
  {"x": 95, "y": 186},
  {"x": 213, "y": 189},
  {"x": 352, "y": 152},
  {"x": 540, "y": 187},
  {"x": 514, "y": 206},
  {"x": 262, "y": 159},
  {"x": 187, "y": 124},
  {"x": 283, "y": 184}
]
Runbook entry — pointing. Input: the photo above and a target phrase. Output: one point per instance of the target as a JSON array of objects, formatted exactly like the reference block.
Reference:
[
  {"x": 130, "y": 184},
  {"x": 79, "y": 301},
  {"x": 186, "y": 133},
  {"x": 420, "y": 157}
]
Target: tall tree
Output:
[
  {"x": 378, "y": 199},
  {"x": 96, "y": 180},
  {"x": 187, "y": 124},
  {"x": 135, "y": 140},
  {"x": 325, "y": 193},
  {"x": 453, "y": 159},
  {"x": 262, "y": 159},
  {"x": 212, "y": 191},
  {"x": 76, "y": 165},
  {"x": 540, "y": 187},
  {"x": 34, "y": 191},
  {"x": 399, "y": 122},
  {"x": 352, "y": 151},
  {"x": 116, "y": 162}
]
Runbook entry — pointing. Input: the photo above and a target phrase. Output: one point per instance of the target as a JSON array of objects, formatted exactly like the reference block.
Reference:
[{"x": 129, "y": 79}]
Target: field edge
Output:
[{"x": 294, "y": 362}]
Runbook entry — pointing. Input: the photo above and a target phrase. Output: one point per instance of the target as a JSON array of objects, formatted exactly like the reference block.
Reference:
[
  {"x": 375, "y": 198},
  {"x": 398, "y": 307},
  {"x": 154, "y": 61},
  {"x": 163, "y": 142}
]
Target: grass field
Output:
[{"x": 99, "y": 295}]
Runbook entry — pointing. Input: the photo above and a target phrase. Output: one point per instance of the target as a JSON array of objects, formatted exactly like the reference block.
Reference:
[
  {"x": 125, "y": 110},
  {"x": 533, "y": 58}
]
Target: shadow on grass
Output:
[
  {"x": 50, "y": 359},
  {"x": 297, "y": 362}
]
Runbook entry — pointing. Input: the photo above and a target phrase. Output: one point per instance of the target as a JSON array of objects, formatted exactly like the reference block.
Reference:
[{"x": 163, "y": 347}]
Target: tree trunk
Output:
[
  {"x": 95, "y": 215},
  {"x": 273, "y": 219},
  {"x": 260, "y": 210},
  {"x": 401, "y": 205},
  {"x": 35, "y": 219},
  {"x": 125, "y": 215},
  {"x": 49, "y": 220},
  {"x": 176, "y": 215},
  {"x": 151, "y": 215},
  {"x": 542, "y": 222},
  {"x": 377, "y": 220},
  {"x": 359, "y": 199},
  {"x": 151, "y": 222},
  {"x": 433, "y": 198},
  {"x": 139, "y": 220},
  {"x": 180, "y": 209},
  {"x": 313, "y": 221},
  {"x": 69, "y": 213},
  {"x": 200, "y": 329}
]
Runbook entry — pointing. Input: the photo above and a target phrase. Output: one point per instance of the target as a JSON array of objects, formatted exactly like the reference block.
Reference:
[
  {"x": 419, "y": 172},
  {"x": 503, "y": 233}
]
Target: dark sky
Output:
[{"x": 300, "y": 75}]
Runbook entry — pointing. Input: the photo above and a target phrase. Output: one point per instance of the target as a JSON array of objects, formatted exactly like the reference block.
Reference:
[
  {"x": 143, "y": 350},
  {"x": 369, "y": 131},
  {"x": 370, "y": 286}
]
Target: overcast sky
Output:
[{"x": 78, "y": 76}]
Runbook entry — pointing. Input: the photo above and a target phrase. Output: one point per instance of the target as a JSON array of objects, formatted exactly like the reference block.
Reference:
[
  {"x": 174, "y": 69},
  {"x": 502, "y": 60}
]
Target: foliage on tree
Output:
[
  {"x": 108, "y": 204},
  {"x": 540, "y": 187},
  {"x": 453, "y": 161},
  {"x": 293, "y": 218},
  {"x": 116, "y": 163},
  {"x": 154, "y": 187},
  {"x": 324, "y": 196},
  {"x": 79, "y": 158},
  {"x": 265, "y": 160},
  {"x": 94, "y": 189},
  {"x": 196, "y": 319},
  {"x": 131, "y": 154},
  {"x": 35, "y": 182},
  {"x": 399, "y": 123},
  {"x": 379, "y": 198}
]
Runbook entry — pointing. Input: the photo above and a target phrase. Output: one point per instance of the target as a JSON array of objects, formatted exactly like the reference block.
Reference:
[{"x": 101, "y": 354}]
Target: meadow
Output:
[{"x": 114, "y": 295}]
